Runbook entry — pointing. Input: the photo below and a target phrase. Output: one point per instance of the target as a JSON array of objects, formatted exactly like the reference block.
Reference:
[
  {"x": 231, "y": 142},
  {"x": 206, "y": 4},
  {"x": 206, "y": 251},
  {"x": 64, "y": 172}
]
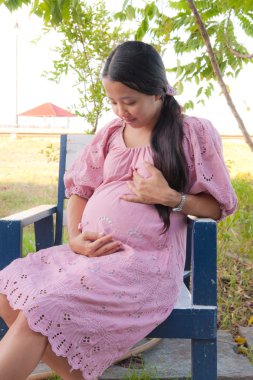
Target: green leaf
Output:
[
  {"x": 188, "y": 105},
  {"x": 179, "y": 87},
  {"x": 140, "y": 33},
  {"x": 125, "y": 4},
  {"x": 120, "y": 16},
  {"x": 130, "y": 12},
  {"x": 151, "y": 10},
  {"x": 145, "y": 25},
  {"x": 199, "y": 91},
  {"x": 201, "y": 101},
  {"x": 179, "y": 71}
]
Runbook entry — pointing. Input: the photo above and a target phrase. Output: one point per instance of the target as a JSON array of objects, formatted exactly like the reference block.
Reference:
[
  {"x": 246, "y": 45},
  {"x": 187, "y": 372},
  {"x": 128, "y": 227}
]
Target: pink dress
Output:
[{"x": 93, "y": 310}]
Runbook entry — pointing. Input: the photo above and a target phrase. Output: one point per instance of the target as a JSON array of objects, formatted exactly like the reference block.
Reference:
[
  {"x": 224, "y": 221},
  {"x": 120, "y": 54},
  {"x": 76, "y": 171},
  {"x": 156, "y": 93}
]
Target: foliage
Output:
[
  {"x": 51, "y": 152},
  {"x": 52, "y": 11},
  {"x": 87, "y": 38},
  {"x": 174, "y": 25},
  {"x": 88, "y": 33},
  {"x": 235, "y": 259}
]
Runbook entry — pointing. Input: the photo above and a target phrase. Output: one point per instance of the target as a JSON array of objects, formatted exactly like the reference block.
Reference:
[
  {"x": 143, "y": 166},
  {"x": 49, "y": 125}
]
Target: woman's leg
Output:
[
  {"x": 57, "y": 363},
  {"x": 60, "y": 365},
  {"x": 20, "y": 350},
  {"x": 6, "y": 312}
]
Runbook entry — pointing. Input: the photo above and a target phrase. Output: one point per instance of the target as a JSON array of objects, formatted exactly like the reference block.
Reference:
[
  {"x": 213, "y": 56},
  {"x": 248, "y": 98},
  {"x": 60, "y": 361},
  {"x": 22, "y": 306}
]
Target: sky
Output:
[{"x": 31, "y": 89}]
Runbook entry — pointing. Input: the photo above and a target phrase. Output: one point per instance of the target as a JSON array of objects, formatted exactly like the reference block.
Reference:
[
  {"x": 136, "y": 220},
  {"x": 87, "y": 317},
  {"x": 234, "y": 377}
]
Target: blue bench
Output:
[{"x": 195, "y": 314}]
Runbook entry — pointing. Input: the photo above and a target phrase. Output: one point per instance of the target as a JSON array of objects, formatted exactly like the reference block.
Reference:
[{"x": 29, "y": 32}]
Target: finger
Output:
[
  {"x": 131, "y": 199},
  {"x": 108, "y": 249},
  {"x": 132, "y": 187},
  {"x": 136, "y": 175},
  {"x": 93, "y": 236},
  {"x": 151, "y": 168},
  {"x": 102, "y": 241},
  {"x": 89, "y": 235},
  {"x": 110, "y": 252}
]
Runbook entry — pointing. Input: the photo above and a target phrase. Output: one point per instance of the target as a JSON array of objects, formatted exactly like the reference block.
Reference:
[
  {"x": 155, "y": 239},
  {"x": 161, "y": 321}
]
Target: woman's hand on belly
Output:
[
  {"x": 151, "y": 190},
  {"x": 94, "y": 244}
]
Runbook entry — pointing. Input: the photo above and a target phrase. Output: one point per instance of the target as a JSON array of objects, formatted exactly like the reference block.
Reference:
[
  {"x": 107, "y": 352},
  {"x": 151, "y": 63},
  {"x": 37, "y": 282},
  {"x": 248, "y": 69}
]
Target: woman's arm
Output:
[
  {"x": 75, "y": 208},
  {"x": 201, "y": 205},
  {"x": 87, "y": 243},
  {"x": 155, "y": 190}
]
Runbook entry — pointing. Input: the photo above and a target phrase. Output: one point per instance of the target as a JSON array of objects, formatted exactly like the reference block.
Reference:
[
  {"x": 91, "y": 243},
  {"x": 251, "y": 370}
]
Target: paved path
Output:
[{"x": 170, "y": 359}]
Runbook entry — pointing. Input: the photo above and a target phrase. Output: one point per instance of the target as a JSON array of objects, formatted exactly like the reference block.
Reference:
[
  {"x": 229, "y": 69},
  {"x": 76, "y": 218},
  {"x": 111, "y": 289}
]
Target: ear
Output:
[{"x": 158, "y": 97}]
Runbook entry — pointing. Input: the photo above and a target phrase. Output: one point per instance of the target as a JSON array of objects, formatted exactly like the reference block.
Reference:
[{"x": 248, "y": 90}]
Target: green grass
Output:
[
  {"x": 133, "y": 374},
  {"x": 235, "y": 259},
  {"x": 27, "y": 177}
]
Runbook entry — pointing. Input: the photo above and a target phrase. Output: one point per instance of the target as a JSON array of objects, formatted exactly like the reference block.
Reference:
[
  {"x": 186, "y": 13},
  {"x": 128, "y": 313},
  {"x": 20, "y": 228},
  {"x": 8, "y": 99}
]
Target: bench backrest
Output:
[{"x": 70, "y": 147}]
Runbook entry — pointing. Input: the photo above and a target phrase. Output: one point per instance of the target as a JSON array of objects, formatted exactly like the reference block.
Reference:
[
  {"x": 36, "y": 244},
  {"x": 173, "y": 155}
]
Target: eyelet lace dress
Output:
[{"x": 93, "y": 310}]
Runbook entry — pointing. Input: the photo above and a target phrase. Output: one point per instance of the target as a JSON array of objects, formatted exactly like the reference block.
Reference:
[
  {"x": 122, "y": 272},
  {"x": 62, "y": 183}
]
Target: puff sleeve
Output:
[
  {"x": 207, "y": 169},
  {"x": 86, "y": 172}
]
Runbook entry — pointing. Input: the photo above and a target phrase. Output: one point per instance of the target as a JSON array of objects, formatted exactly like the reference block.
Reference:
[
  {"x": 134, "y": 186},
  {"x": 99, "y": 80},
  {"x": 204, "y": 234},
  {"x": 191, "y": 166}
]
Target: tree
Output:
[
  {"x": 88, "y": 36},
  {"x": 207, "y": 29},
  {"x": 52, "y": 11}
]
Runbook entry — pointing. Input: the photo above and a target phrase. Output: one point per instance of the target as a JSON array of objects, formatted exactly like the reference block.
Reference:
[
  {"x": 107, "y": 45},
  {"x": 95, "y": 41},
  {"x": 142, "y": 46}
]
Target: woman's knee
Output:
[
  {"x": 4, "y": 304},
  {"x": 22, "y": 329},
  {"x": 21, "y": 324},
  {"x": 6, "y": 312}
]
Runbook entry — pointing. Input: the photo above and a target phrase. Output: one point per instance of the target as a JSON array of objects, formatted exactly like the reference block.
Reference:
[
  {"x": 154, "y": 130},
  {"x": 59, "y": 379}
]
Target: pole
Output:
[{"x": 16, "y": 103}]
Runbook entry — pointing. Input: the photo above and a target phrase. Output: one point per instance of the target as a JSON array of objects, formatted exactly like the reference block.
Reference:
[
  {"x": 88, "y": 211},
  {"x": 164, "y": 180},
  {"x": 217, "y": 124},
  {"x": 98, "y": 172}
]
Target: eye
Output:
[
  {"x": 111, "y": 102},
  {"x": 131, "y": 104}
]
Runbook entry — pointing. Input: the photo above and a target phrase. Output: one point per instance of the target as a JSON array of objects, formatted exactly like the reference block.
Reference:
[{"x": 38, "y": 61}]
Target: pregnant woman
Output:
[{"x": 81, "y": 306}]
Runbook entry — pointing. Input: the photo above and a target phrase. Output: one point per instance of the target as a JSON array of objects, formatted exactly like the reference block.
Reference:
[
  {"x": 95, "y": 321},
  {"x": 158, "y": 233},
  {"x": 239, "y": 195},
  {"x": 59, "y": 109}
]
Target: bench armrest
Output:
[
  {"x": 31, "y": 215},
  {"x": 11, "y": 231}
]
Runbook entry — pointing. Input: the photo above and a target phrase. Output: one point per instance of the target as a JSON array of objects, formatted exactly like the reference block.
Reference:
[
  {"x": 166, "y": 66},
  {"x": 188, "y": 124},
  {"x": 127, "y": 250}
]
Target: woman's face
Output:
[{"x": 135, "y": 108}]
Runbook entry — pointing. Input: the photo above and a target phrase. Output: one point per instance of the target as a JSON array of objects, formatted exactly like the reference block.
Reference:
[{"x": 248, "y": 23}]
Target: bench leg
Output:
[
  {"x": 204, "y": 359},
  {"x": 11, "y": 233},
  {"x": 3, "y": 328}
]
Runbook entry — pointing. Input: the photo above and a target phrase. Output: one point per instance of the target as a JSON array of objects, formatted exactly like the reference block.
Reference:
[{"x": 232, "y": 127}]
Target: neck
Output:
[{"x": 136, "y": 137}]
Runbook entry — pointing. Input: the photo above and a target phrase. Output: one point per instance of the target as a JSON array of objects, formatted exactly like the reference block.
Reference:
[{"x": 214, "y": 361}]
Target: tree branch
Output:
[
  {"x": 77, "y": 28},
  {"x": 237, "y": 54},
  {"x": 233, "y": 51},
  {"x": 218, "y": 74}
]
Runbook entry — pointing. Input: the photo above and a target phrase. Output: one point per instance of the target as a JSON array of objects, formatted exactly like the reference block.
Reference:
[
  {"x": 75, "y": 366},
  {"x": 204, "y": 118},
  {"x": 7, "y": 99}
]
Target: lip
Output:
[{"x": 132, "y": 120}]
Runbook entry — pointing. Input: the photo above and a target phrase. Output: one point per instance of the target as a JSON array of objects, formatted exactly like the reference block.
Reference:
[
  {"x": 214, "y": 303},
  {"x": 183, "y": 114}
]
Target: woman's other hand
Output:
[
  {"x": 152, "y": 190},
  {"x": 94, "y": 244},
  {"x": 155, "y": 190}
]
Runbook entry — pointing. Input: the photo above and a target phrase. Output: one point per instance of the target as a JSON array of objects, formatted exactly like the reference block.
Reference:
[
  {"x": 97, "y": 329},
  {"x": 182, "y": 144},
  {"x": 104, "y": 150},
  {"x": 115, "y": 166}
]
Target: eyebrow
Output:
[{"x": 123, "y": 97}]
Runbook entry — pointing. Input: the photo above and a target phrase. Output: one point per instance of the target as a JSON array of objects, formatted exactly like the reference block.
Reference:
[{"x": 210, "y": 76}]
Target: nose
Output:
[{"x": 122, "y": 111}]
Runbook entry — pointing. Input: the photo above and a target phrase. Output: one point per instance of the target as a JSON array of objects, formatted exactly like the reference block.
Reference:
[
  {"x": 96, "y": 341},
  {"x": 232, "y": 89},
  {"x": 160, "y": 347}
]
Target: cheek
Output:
[
  {"x": 114, "y": 109},
  {"x": 142, "y": 110},
  {"x": 148, "y": 110}
]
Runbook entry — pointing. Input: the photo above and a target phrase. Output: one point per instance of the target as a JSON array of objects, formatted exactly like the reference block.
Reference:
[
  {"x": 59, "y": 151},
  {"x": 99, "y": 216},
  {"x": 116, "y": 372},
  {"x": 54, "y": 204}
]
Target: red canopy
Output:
[{"x": 47, "y": 110}]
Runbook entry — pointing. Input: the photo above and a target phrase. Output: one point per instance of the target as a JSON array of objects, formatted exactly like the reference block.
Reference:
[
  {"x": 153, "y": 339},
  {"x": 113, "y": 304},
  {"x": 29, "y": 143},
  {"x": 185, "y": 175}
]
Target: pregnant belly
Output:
[{"x": 106, "y": 212}]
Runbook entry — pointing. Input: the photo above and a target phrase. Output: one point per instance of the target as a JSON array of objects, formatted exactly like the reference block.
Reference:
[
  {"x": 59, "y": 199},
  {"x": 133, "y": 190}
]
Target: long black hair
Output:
[{"x": 139, "y": 66}]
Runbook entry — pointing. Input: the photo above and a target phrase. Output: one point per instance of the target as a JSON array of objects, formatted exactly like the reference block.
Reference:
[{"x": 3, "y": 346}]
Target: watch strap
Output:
[{"x": 180, "y": 206}]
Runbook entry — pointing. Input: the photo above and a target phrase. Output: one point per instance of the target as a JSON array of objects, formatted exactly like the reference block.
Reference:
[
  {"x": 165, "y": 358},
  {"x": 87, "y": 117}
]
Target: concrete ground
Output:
[{"x": 170, "y": 359}]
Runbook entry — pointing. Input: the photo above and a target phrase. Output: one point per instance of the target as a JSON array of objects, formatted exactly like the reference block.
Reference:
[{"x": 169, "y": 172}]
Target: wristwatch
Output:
[{"x": 180, "y": 206}]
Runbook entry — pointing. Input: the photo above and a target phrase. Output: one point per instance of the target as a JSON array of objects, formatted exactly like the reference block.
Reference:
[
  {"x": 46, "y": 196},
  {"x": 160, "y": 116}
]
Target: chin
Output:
[{"x": 135, "y": 123}]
